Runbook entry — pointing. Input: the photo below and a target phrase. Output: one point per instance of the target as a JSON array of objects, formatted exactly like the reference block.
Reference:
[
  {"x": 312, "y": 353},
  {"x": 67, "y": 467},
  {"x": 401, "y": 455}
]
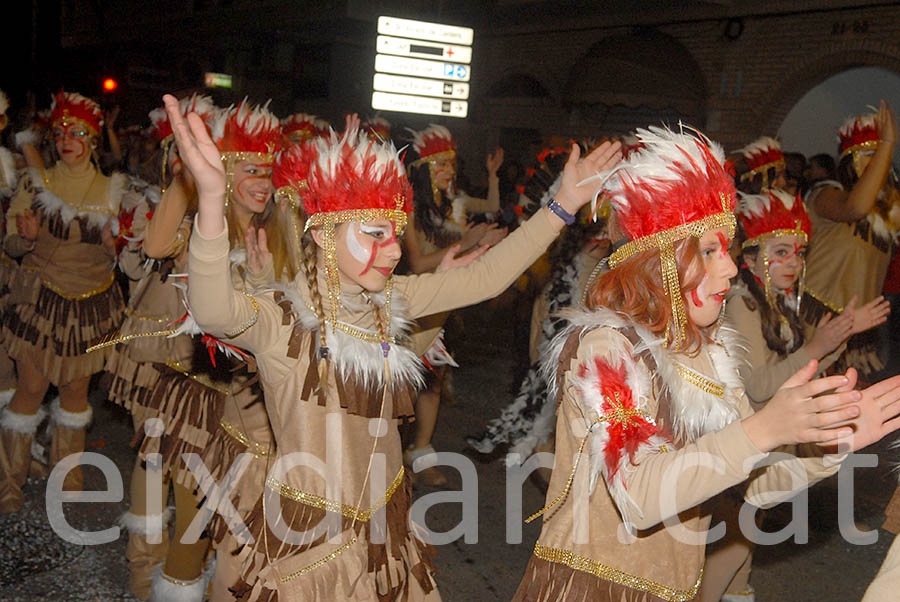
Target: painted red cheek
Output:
[
  {"x": 378, "y": 245},
  {"x": 696, "y": 298}
]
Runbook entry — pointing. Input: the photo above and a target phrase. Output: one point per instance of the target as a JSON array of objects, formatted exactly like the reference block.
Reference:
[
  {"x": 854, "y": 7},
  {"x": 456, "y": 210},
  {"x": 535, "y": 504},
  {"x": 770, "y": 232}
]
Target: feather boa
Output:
[
  {"x": 693, "y": 412},
  {"x": 358, "y": 359},
  {"x": 51, "y": 204}
]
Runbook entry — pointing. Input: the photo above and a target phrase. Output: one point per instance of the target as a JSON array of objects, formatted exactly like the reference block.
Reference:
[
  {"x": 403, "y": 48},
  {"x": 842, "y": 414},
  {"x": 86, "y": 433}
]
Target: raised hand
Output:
[
  {"x": 802, "y": 412},
  {"x": 493, "y": 236},
  {"x": 572, "y": 195},
  {"x": 473, "y": 235},
  {"x": 494, "y": 161},
  {"x": 451, "y": 260},
  {"x": 879, "y": 415},
  {"x": 202, "y": 157},
  {"x": 872, "y": 314},
  {"x": 887, "y": 126},
  {"x": 28, "y": 225},
  {"x": 258, "y": 255},
  {"x": 830, "y": 332}
]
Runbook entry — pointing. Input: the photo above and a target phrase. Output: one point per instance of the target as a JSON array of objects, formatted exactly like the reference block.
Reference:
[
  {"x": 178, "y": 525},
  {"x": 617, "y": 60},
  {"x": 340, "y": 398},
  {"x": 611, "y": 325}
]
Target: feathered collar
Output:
[
  {"x": 696, "y": 405},
  {"x": 353, "y": 357},
  {"x": 96, "y": 210}
]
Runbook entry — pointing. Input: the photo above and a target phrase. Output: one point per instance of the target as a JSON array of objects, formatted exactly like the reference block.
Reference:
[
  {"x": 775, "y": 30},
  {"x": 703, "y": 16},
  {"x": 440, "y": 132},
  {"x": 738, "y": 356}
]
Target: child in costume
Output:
[
  {"x": 652, "y": 418},
  {"x": 764, "y": 307},
  {"x": 440, "y": 223},
  {"x": 855, "y": 223},
  {"x": 65, "y": 299},
  {"x": 334, "y": 369}
]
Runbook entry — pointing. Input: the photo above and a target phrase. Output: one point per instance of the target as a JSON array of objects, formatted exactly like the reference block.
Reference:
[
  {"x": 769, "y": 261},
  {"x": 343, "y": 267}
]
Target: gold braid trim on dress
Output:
[
  {"x": 700, "y": 381},
  {"x": 665, "y": 241},
  {"x": 316, "y": 501},
  {"x": 254, "y": 447},
  {"x": 80, "y": 296},
  {"x": 608, "y": 573}
]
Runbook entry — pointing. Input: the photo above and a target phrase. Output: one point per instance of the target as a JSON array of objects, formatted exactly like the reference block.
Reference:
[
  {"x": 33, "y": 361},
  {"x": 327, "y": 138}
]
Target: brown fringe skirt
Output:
[
  {"x": 399, "y": 569},
  {"x": 190, "y": 411},
  {"x": 546, "y": 581},
  {"x": 244, "y": 428},
  {"x": 56, "y": 331}
]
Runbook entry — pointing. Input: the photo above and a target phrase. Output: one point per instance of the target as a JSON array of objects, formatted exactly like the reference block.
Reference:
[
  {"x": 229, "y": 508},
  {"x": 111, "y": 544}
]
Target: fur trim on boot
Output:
[
  {"x": 25, "y": 424},
  {"x": 71, "y": 420},
  {"x": 6, "y": 397},
  {"x": 145, "y": 525}
]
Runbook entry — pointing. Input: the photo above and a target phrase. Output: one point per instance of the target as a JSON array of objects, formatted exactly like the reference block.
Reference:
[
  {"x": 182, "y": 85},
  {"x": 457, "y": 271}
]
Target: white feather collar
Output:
[
  {"x": 51, "y": 204},
  {"x": 358, "y": 359},
  {"x": 694, "y": 412}
]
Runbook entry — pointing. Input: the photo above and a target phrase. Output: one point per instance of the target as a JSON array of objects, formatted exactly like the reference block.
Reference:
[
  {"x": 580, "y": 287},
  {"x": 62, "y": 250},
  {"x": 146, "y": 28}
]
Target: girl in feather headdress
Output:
[
  {"x": 60, "y": 223},
  {"x": 338, "y": 377},
  {"x": 652, "y": 416}
]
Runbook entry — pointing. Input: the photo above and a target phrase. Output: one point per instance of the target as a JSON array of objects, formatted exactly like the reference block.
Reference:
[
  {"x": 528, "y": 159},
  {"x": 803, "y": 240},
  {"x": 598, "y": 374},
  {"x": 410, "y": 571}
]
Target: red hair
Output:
[{"x": 635, "y": 288}]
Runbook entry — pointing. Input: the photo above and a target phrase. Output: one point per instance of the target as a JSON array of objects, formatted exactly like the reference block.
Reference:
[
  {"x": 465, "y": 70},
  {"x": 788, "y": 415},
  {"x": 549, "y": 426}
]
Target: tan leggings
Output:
[
  {"x": 31, "y": 386},
  {"x": 184, "y": 560},
  {"x": 727, "y": 568}
]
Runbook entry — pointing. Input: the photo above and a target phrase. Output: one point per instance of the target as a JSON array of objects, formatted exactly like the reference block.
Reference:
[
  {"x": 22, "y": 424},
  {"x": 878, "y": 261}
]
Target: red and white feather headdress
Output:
[
  {"x": 161, "y": 128},
  {"x": 353, "y": 178},
  {"x": 858, "y": 135},
  {"x": 433, "y": 143},
  {"x": 775, "y": 213},
  {"x": 378, "y": 127},
  {"x": 252, "y": 131},
  {"x": 71, "y": 107},
  {"x": 302, "y": 126},
  {"x": 761, "y": 155},
  {"x": 769, "y": 215},
  {"x": 290, "y": 169},
  {"x": 672, "y": 186}
]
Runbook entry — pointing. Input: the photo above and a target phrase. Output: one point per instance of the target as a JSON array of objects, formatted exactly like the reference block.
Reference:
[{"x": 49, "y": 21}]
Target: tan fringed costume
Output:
[
  {"x": 64, "y": 295},
  {"x": 365, "y": 502},
  {"x": 584, "y": 552},
  {"x": 8, "y": 181},
  {"x": 846, "y": 259}
]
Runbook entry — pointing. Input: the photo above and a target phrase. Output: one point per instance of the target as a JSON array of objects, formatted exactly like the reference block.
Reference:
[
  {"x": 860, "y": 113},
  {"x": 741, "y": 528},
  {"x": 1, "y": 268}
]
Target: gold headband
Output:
[
  {"x": 764, "y": 170},
  {"x": 857, "y": 150},
  {"x": 66, "y": 119},
  {"x": 328, "y": 220},
  {"x": 434, "y": 157},
  {"x": 664, "y": 241}
]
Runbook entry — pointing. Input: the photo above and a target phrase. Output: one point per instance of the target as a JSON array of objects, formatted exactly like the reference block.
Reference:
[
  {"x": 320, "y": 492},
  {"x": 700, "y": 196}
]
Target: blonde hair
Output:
[{"x": 273, "y": 222}]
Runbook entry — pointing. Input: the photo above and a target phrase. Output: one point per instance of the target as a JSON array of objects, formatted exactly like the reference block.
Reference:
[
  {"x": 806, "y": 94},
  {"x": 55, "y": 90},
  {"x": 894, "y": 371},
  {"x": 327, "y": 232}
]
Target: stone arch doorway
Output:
[{"x": 810, "y": 125}]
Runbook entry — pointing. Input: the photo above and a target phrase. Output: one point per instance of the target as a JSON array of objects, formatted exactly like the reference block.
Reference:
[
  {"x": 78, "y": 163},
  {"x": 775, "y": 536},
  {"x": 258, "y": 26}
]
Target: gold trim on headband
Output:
[
  {"x": 664, "y": 241},
  {"x": 764, "y": 170},
  {"x": 447, "y": 154},
  {"x": 868, "y": 144}
]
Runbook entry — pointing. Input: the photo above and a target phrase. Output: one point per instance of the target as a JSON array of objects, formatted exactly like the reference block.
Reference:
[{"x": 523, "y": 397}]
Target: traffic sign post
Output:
[{"x": 422, "y": 67}]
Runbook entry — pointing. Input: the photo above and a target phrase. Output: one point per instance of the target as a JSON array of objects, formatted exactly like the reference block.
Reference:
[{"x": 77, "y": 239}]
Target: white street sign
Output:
[
  {"x": 418, "y": 85},
  {"x": 425, "y": 50},
  {"x": 385, "y": 101},
  {"x": 421, "y": 68},
  {"x": 420, "y": 30}
]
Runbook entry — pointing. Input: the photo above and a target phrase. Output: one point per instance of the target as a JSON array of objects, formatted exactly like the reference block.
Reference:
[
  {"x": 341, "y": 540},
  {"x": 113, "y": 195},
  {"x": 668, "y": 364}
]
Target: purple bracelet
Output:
[{"x": 560, "y": 212}]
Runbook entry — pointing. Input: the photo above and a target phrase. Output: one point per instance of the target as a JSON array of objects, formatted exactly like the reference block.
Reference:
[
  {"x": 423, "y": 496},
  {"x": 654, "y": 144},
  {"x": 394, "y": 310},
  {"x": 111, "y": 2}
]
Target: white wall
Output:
[{"x": 811, "y": 126}]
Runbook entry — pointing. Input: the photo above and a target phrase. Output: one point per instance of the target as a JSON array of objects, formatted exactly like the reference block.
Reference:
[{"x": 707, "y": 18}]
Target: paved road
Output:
[{"x": 36, "y": 565}]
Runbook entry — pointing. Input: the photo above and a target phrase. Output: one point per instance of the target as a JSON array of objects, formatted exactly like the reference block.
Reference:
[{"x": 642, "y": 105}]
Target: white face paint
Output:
[{"x": 359, "y": 252}]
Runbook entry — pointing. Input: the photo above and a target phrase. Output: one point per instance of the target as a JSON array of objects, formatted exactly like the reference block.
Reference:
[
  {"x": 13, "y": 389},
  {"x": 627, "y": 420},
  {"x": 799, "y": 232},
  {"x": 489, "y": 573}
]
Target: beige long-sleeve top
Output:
[
  {"x": 663, "y": 482},
  {"x": 68, "y": 254},
  {"x": 765, "y": 371}
]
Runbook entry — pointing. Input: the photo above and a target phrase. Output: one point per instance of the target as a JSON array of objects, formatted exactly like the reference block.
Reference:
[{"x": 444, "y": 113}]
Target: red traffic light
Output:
[{"x": 110, "y": 85}]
